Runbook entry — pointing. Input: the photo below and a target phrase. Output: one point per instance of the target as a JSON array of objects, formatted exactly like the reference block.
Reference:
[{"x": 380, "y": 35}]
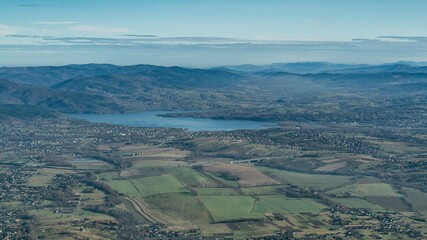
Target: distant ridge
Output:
[
  {"x": 326, "y": 67},
  {"x": 105, "y": 88}
]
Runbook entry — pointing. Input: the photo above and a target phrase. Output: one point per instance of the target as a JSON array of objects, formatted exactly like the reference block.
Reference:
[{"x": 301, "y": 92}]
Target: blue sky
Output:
[{"x": 205, "y": 33}]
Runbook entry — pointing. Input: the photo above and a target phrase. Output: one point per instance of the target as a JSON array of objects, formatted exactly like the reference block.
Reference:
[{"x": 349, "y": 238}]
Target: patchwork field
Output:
[
  {"x": 185, "y": 175},
  {"x": 48, "y": 216},
  {"x": 332, "y": 167},
  {"x": 368, "y": 190},
  {"x": 262, "y": 190},
  {"x": 227, "y": 208},
  {"x": 216, "y": 191},
  {"x": 193, "y": 178},
  {"x": 397, "y": 147},
  {"x": 144, "y": 155},
  {"x": 178, "y": 208},
  {"x": 357, "y": 203},
  {"x": 342, "y": 163},
  {"x": 89, "y": 195},
  {"x": 57, "y": 223},
  {"x": 148, "y": 185},
  {"x": 245, "y": 230},
  {"x": 390, "y": 203},
  {"x": 216, "y": 230},
  {"x": 242, "y": 200},
  {"x": 125, "y": 187},
  {"x": 417, "y": 198},
  {"x": 109, "y": 176},
  {"x": 222, "y": 181},
  {"x": 308, "y": 222},
  {"x": 44, "y": 176},
  {"x": 247, "y": 175},
  {"x": 282, "y": 204},
  {"x": 320, "y": 181},
  {"x": 90, "y": 163},
  {"x": 158, "y": 184},
  {"x": 159, "y": 163}
]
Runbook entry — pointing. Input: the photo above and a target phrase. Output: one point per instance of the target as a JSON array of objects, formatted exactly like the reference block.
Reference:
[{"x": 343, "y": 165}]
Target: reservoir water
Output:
[{"x": 152, "y": 119}]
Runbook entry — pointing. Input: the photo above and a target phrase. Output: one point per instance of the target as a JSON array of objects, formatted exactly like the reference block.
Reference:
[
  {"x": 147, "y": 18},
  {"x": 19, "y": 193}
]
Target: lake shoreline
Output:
[{"x": 164, "y": 119}]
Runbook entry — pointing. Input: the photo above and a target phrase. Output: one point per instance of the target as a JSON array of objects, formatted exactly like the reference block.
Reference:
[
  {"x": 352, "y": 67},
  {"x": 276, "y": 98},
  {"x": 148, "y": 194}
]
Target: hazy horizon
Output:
[
  {"x": 211, "y": 33},
  {"x": 219, "y": 66}
]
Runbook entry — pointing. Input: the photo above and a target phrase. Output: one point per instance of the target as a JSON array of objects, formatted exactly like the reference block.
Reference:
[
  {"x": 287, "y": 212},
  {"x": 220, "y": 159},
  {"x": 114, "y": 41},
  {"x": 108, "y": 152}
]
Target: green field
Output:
[
  {"x": 223, "y": 181},
  {"x": 321, "y": 181},
  {"x": 186, "y": 175},
  {"x": 54, "y": 224},
  {"x": 44, "y": 176},
  {"x": 368, "y": 190},
  {"x": 282, "y": 204},
  {"x": 178, "y": 208},
  {"x": 417, "y": 198},
  {"x": 261, "y": 190},
  {"x": 211, "y": 230},
  {"x": 357, "y": 203},
  {"x": 90, "y": 163},
  {"x": 158, "y": 163},
  {"x": 158, "y": 184},
  {"x": 193, "y": 178},
  {"x": 108, "y": 176},
  {"x": 48, "y": 216},
  {"x": 390, "y": 203},
  {"x": 124, "y": 186},
  {"x": 39, "y": 180},
  {"x": 216, "y": 191},
  {"x": 248, "y": 230},
  {"x": 148, "y": 186},
  {"x": 225, "y": 208}
]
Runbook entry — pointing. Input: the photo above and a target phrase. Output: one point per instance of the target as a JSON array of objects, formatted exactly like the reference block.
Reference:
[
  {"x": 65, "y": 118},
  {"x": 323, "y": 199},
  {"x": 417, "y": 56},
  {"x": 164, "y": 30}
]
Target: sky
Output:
[{"x": 206, "y": 33}]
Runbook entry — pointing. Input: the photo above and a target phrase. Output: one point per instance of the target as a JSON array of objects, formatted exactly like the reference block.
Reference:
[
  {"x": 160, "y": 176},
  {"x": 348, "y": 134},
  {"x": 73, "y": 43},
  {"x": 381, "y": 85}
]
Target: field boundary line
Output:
[
  {"x": 211, "y": 218},
  {"x": 253, "y": 205}
]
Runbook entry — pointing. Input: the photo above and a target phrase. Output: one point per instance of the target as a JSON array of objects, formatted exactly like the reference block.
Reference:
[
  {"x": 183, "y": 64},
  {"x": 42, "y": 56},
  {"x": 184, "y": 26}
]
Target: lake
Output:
[{"x": 151, "y": 119}]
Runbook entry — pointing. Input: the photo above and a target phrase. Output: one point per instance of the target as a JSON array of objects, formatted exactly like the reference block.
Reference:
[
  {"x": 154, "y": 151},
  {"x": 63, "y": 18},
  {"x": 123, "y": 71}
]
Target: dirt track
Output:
[{"x": 141, "y": 209}]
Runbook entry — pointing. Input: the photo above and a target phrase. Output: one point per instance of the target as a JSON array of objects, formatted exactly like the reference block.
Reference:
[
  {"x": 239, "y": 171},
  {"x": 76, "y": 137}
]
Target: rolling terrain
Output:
[
  {"x": 97, "y": 88},
  {"x": 346, "y": 160}
]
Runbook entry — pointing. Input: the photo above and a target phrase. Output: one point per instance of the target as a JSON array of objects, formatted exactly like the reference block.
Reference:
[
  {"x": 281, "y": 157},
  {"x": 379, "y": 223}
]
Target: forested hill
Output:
[{"x": 103, "y": 88}]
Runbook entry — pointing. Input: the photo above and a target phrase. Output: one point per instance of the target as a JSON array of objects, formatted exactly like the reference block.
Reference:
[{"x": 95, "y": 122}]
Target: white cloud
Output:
[
  {"x": 98, "y": 29},
  {"x": 56, "y": 23},
  {"x": 6, "y": 30}
]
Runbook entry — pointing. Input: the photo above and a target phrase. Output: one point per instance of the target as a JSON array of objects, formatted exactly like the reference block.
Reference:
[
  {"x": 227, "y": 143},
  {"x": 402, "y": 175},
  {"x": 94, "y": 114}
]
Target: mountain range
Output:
[
  {"x": 104, "y": 88},
  {"x": 326, "y": 67}
]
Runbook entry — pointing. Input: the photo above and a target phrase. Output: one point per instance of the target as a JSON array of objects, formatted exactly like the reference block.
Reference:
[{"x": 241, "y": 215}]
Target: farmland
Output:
[
  {"x": 148, "y": 185},
  {"x": 182, "y": 209},
  {"x": 125, "y": 187},
  {"x": 417, "y": 199},
  {"x": 368, "y": 190},
  {"x": 216, "y": 191},
  {"x": 319, "y": 181},
  {"x": 246, "y": 176},
  {"x": 357, "y": 203},
  {"x": 239, "y": 200},
  {"x": 158, "y": 184},
  {"x": 280, "y": 204},
  {"x": 262, "y": 190},
  {"x": 313, "y": 180},
  {"x": 227, "y": 208}
]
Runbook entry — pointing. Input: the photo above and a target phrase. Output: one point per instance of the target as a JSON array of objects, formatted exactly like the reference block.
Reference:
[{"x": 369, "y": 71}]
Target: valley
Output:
[{"x": 345, "y": 159}]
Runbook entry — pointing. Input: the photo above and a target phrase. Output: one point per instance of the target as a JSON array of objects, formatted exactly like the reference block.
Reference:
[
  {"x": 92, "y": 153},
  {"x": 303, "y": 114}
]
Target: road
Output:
[
  {"x": 236, "y": 161},
  {"x": 142, "y": 210}
]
